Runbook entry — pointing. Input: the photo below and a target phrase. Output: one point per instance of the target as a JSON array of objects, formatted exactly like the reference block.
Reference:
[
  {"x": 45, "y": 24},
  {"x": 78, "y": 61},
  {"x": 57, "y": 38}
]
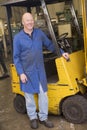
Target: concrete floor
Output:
[{"x": 11, "y": 120}]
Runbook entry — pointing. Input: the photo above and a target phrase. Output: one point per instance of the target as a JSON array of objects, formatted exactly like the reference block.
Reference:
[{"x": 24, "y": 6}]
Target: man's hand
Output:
[
  {"x": 23, "y": 78},
  {"x": 66, "y": 56}
]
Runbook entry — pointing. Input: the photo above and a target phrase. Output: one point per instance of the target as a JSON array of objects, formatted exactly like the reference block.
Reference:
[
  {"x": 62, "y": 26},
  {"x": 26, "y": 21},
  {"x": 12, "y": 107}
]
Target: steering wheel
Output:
[
  {"x": 62, "y": 36},
  {"x": 63, "y": 43}
]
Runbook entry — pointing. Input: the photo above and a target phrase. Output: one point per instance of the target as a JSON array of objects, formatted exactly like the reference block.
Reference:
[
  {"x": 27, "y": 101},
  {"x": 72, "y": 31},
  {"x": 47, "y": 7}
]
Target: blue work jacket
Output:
[{"x": 28, "y": 58}]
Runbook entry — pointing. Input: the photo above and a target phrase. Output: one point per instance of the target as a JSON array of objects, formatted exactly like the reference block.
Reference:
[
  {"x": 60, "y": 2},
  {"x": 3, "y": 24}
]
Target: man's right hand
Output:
[{"x": 23, "y": 78}]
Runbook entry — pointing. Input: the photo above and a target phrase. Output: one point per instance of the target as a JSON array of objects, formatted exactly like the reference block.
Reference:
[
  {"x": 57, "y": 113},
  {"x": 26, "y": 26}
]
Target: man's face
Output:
[{"x": 28, "y": 21}]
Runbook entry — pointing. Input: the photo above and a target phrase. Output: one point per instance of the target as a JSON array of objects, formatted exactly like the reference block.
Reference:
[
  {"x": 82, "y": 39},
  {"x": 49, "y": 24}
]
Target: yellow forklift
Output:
[{"x": 67, "y": 80}]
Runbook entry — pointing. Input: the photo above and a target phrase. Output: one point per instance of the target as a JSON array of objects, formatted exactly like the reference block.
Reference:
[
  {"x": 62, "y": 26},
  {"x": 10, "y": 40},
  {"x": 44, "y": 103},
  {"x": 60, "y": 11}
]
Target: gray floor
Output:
[{"x": 11, "y": 120}]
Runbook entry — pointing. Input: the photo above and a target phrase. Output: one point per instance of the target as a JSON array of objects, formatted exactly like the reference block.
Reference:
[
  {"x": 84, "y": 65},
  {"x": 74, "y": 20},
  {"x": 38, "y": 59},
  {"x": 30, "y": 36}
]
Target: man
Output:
[{"x": 28, "y": 59}]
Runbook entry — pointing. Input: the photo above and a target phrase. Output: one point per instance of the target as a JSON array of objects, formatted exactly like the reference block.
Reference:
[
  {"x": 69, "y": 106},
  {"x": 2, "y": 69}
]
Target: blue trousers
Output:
[{"x": 42, "y": 103}]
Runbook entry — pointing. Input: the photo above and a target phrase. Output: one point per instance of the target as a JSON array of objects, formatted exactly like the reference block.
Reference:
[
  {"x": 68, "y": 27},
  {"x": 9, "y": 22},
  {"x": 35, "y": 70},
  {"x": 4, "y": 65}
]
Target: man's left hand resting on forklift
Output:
[{"x": 66, "y": 56}]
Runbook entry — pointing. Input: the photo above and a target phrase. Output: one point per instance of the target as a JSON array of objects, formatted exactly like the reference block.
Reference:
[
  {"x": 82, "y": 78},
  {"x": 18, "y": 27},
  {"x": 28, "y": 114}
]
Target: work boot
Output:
[
  {"x": 34, "y": 124},
  {"x": 47, "y": 123}
]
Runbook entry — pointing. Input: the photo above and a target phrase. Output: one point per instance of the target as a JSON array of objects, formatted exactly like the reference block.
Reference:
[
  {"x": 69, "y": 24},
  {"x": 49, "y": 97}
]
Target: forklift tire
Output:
[
  {"x": 75, "y": 109},
  {"x": 19, "y": 104}
]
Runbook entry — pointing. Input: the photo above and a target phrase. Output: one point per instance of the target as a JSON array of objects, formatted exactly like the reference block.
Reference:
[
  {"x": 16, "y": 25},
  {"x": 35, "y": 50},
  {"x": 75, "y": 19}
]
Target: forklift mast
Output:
[
  {"x": 84, "y": 17},
  {"x": 47, "y": 17}
]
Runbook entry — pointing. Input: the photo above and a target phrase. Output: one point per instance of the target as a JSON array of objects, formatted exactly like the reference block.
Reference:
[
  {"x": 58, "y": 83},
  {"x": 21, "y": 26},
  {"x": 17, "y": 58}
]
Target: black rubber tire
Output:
[
  {"x": 19, "y": 104},
  {"x": 75, "y": 109}
]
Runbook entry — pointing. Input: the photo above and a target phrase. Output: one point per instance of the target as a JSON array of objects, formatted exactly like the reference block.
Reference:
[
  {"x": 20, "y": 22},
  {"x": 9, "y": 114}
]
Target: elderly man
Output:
[{"x": 28, "y": 59}]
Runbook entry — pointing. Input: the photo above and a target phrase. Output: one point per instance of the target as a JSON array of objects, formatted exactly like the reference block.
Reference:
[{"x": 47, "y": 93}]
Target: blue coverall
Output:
[{"x": 28, "y": 58}]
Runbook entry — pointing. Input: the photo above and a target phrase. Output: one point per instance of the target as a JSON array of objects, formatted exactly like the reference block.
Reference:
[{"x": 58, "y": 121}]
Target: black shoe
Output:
[
  {"x": 34, "y": 124},
  {"x": 47, "y": 123}
]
